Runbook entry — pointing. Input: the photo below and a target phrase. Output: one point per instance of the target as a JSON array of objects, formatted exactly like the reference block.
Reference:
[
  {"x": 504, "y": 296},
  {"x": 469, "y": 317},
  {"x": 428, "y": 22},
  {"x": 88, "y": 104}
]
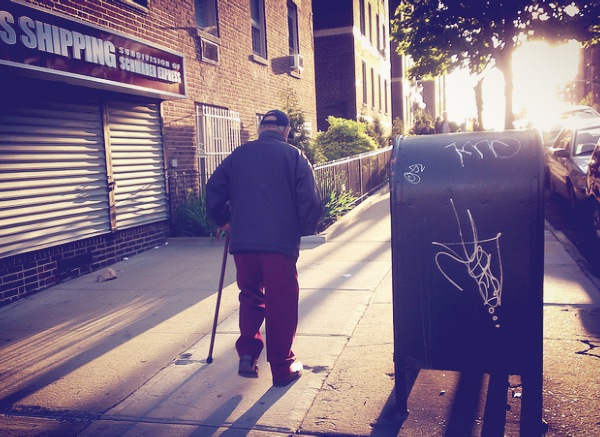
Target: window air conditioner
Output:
[
  {"x": 296, "y": 63},
  {"x": 210, "y": 51}
]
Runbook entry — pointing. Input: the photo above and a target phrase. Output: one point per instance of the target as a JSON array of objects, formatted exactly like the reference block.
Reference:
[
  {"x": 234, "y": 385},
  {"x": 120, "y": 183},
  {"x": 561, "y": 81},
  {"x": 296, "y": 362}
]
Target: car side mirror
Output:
[{"x": 560, "y": 153}]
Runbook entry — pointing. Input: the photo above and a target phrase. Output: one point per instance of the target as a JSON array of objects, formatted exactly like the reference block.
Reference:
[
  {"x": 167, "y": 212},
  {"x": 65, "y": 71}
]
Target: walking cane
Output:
[{"x": 214, "y": 329}]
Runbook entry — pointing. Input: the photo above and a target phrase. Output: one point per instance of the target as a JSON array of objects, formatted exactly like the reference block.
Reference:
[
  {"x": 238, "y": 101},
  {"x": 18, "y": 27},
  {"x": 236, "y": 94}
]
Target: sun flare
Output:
[{"x": 539, "y": 70}]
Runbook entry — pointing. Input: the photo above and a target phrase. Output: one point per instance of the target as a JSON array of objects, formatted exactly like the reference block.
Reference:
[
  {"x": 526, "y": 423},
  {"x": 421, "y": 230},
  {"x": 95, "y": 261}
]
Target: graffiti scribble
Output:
[
  {"x": 478, "y": 263},
  {"x": 412, "y": 176},
  {"x": 502, "y": 149}
]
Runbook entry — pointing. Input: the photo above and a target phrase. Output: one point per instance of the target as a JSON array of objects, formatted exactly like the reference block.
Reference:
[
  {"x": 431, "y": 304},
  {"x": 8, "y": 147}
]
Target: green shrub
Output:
[
  {"x": 336, "y": 205},
  {"x": 192, "y": 218},
  {"x": 344, "y": 138}
]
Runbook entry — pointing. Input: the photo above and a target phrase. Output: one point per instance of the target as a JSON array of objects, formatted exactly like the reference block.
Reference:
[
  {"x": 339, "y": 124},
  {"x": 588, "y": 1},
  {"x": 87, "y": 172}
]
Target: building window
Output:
[
  {"x": 385, "y": 95},
  {"x": 206, "y": 16},
  {"x": 379, "y": 89},
  {"x": 370, "y": 23},
  {"x": 377, "y": 31},
  {"x": 141, "y": 5},
  {"x": 364, "y": 83},
  {"x": 363, "y": 27},
  {"x": 293, "y": 28},
  {"x": 259, "y": 40},
  {"x": 372, "y": 88},
  {"x": 218, "y": 133}
]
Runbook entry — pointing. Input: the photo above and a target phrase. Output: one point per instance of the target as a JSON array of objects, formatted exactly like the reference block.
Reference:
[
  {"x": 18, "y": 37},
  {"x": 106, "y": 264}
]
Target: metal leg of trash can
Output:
[
  {"x": 494, "y": 420},
  {"x": 532, "y": 422},
  {"x": 401, "y": 391}
]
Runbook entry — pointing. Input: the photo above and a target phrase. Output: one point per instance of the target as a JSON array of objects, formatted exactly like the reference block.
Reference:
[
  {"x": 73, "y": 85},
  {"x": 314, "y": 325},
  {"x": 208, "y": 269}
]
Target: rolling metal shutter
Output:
[
  {"x": 136, "y": 155},
  {"x": 52, "y": 173}
]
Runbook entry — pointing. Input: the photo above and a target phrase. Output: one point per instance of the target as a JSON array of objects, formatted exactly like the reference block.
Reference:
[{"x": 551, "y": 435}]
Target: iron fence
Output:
[{"x": 358, "y": 175}]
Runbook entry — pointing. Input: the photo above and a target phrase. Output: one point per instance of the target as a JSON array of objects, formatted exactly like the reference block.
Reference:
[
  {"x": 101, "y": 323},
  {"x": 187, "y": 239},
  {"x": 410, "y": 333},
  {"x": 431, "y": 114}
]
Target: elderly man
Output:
[{"x": 265, "y": 194}]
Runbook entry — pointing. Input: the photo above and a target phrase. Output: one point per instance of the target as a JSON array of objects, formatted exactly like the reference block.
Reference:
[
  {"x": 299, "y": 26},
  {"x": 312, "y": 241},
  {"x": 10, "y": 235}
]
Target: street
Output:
[{"x": 576, "y": 227}]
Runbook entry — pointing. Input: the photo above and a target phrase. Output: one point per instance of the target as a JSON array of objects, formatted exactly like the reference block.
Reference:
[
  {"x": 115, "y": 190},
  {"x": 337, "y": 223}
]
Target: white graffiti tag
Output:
[
  {"x": 502, "y": 149},
  {"x": 412, "y": 176},
  {"x": 478, "y": 263}
]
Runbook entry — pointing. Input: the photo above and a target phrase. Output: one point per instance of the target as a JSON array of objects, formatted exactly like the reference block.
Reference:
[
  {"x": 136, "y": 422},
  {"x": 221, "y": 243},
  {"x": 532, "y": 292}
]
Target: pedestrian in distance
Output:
[
  {"x": 438, "y": 125},
  {"x": 427, "y": 129},
  {"x": 445, "y": 126},
  {"x": 264, "y": 194}
]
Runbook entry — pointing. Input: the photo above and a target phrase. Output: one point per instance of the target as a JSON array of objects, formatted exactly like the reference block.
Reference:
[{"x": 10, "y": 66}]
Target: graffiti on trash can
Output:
[
  {"x": 412, "y": 176},
  {"x": 503, "y": 149},
  {"x": 477, "y": 261}
]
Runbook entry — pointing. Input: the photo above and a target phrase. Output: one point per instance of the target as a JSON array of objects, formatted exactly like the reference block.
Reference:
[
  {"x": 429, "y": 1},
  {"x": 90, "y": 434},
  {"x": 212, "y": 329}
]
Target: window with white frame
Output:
[
  {"x": 363, "y": 26},
  {"x": 372, "y": 88},
  {"x": 137, "y": 4},
  {"x": 385, "y": 95},
  {"x": 377, "y": 31},
  {"x": 370, "y": 23},
  {"x": 293, "y": 28},
  {"x": 259, "y": 39},
  {"x": 379, "y": 90},
  {"x": 206, "y": 16},
  {"x": 364, "y": 83}
]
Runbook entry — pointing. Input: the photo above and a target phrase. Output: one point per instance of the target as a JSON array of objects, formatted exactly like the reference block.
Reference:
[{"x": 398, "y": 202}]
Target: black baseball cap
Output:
[{"x": 276, "y": 117}]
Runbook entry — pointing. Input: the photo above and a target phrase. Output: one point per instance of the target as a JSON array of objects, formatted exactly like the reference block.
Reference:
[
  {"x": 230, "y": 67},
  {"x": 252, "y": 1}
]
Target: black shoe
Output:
[
  {"x": 296, "y": 372},
  {"x": 248, "y": 367}
]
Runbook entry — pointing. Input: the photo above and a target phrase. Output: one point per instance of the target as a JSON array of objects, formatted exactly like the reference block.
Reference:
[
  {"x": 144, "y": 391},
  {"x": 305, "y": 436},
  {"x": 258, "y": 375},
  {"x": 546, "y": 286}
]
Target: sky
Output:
[{"x": 538, "y": 68}]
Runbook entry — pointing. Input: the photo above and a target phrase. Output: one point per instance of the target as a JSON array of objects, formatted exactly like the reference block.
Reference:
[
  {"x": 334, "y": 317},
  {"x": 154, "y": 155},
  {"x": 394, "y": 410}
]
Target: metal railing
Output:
[{"x": 358, "y": 175}]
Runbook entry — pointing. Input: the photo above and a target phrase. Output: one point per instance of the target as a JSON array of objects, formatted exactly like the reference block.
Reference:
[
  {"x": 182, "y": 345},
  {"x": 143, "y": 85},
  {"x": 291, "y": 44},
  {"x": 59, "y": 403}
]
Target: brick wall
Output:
[
  {"x": 340, "y": 50},
  {"x": 28, "y": 273},
  {"x": 237, "y": 82},
  {"x": 336, "y": 78}
]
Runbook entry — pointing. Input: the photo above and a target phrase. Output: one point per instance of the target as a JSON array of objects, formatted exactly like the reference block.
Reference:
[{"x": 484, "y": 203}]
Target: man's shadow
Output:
[{"x": 246, "y": 421}]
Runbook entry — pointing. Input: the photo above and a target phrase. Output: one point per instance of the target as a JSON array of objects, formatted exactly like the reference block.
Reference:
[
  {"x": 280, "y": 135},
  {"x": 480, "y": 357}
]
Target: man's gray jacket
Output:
[{"x": 266, "y": 191}]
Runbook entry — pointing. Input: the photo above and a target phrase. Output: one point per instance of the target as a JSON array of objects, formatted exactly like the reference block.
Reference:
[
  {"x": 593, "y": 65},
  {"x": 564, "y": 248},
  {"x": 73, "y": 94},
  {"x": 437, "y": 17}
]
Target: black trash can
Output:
[{"x": 468, "y": 257}]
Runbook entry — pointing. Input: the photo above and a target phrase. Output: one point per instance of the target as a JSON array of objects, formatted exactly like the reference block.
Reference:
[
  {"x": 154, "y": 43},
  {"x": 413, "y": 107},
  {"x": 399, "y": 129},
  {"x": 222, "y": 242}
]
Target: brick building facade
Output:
[
  {"x": 352, "y": 61},
  {"x": 112, "y": 110}
]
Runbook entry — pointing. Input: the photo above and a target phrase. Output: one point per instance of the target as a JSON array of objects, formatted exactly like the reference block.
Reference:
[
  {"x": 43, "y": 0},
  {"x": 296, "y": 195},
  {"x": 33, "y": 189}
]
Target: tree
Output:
[
  {"x": 441, "y": 35},
  {"x": 376, "y": 131},
  {"x": 299, "y": 136},
  {"x": 344, "y": 138}
]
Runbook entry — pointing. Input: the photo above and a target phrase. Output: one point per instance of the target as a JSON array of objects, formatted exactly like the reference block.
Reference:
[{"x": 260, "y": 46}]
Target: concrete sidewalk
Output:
[{"x": 127, "y": 357}]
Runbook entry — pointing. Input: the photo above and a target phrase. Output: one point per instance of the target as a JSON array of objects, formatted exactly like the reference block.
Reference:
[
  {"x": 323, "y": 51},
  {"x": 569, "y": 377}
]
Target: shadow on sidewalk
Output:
[{"x": 477, "y": 405}]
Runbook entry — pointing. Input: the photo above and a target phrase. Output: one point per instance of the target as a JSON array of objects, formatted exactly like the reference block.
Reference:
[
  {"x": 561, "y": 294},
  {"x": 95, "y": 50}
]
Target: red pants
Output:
[{"x": 269, "y": 291}]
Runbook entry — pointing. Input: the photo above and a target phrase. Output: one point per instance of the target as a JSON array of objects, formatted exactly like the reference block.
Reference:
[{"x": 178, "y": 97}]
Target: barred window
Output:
[{"x": 218, "y": 133}]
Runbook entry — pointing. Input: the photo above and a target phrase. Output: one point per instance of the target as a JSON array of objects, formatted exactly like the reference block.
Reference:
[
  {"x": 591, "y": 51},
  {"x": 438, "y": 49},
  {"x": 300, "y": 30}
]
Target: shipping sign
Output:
[{"x": 71, "y": 50}]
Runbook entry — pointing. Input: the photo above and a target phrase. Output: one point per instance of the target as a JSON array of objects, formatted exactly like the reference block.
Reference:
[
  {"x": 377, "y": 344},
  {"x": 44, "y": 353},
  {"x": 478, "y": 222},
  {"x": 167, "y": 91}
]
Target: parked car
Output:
[
  {"x": 593, "y": 189},
  {"x": 568, "y": 115},
  {"x": 568, "y": 160}
]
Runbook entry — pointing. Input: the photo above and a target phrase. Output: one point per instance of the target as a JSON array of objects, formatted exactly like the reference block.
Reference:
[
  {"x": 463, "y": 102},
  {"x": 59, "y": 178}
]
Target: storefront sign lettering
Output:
[{"x": 32, "y": 38}]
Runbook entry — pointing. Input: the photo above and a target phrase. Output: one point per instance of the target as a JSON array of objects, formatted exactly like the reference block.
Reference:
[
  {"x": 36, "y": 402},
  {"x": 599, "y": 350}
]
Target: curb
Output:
[
  {"x": 348, "y": 218},
  {"x": 574, "y": 253}
]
